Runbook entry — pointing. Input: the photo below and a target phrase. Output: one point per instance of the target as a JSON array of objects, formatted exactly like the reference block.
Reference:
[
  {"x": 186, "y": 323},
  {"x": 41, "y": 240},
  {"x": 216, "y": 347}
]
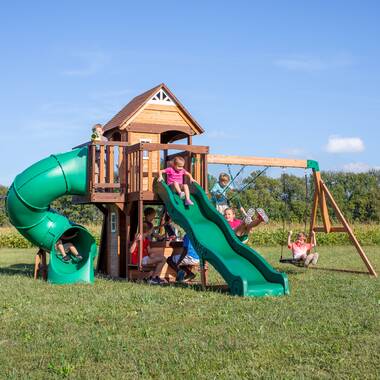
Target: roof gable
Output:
[{"x": 159, "y": 95}]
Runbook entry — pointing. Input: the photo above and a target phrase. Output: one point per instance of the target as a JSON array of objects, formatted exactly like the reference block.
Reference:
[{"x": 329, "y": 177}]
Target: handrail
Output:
[
  {"x": 189, "y": 148},
  {"x": 105, "y": 143}
]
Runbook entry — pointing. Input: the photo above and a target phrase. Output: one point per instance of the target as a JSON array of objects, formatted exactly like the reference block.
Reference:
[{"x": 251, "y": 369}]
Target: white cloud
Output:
[
  {"x": 220, "y": 134},
  {"x": 359, "y": 167},
  {"x": 311, "y": 64},
  {"x": 337, "y": 144},
  {"x": 294, "y": 152}
]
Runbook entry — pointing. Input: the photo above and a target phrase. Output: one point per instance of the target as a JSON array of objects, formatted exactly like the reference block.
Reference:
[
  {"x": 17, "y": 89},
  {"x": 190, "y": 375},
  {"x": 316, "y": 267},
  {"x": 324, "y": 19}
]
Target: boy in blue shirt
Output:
[
  {"x": 186, "y": 260},
  {"x": 219, "y": 192}
]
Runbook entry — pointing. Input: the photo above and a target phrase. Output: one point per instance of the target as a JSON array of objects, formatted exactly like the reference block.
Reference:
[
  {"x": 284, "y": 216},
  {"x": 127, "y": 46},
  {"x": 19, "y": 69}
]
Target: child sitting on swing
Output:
[
  {"x": 219, "y": 190},
  {"x": 300, "y": 248},
  {"x": 219, "y": 197},
  {"x": 242, "y": 228},
  {"x": 174, "y": 178}
]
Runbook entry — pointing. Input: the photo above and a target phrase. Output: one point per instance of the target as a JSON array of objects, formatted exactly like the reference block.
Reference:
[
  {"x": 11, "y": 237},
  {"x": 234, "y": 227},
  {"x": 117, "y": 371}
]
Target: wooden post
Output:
[
  {"x": 93, "y": 166},
  {"x": 101, "y": 164},
  {"x": 150, "y": 175},
  {"x": 203, "y": 269},
  {"x": 140, "y": 229},
  {"x": 322, "y": 202},
  {"x": 128, "y": 239},
  {"x": 40, "y": 266},
  {"x": 140, "y": 202},
  {"x": 110, "y": 164},
  {"x": 205, "y": 173},
  {"x": 141, "y": 172},
  {"x": 121, "y": 168},
  {"x": 353, "y": 238},
  {"x": 314, "y": 209}
]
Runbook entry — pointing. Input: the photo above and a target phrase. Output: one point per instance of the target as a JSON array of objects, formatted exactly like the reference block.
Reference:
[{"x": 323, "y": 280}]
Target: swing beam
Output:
[
  {"x": 322, "y": 196},
  {"x": 261, "y": 161}
]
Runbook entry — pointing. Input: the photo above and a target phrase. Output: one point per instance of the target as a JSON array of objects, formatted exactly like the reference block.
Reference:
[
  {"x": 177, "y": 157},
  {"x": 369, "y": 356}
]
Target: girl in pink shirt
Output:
[
  {"x": 300, "y": 248},
  {"x": 241, "y": 228},
  {"x": 174, "y": 178}
]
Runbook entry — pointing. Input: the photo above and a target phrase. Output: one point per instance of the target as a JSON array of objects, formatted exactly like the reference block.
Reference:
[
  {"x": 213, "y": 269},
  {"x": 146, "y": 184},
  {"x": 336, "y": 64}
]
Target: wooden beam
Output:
[
  {"x": 256, "y": 161},
  {"x": 158, "y": 128},
  {"x": 188, "y": 148},
  {"x": 313, "y": 216},
  {"x": 322, "y": 201},
  {"x": 353, "y": 238}
]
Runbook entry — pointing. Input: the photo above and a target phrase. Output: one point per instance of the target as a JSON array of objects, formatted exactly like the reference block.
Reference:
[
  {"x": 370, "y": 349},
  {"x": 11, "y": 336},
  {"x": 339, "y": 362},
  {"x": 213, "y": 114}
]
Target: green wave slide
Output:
[
  {"x": 28, "y": 208},
  {"x": 244, "y": 270}
]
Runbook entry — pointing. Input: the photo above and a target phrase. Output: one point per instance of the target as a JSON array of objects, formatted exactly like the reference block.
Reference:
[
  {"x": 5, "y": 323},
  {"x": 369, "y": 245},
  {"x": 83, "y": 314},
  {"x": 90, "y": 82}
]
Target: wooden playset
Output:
[{"x": 141, "y": 139}]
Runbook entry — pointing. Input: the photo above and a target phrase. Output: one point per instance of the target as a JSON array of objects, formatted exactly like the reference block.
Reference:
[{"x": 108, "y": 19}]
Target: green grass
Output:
[{"x": 327, "y": 328}]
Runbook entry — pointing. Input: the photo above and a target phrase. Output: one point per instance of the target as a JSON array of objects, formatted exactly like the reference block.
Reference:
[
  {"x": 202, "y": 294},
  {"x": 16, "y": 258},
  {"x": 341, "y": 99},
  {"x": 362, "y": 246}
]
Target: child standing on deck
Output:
[
  {"x": 174, "y": 178},
  {"x": 240, "y": 227},
  {"x": 300, "y": 248},
  {"x": 148, "y": 258}
]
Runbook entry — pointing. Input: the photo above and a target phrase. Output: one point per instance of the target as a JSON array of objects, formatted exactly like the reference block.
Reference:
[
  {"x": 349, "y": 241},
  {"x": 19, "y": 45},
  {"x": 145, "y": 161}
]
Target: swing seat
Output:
[{"x": 297, "y": 263}]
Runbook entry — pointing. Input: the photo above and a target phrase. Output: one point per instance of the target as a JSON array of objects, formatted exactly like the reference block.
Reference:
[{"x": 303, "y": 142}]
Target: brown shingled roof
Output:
[{"x": 138, "y": 102}]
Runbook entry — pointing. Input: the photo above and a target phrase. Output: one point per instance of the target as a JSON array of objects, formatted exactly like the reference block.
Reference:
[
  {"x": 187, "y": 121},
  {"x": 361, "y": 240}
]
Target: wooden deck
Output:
[{"x": 122, "y": 173}]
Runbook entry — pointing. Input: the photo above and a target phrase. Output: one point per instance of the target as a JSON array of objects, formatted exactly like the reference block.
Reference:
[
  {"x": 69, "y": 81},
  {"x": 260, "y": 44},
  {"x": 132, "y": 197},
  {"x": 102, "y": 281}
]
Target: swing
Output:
[
  {"x": 284, "y": 197},
  {"x": 242, "y": 188}
]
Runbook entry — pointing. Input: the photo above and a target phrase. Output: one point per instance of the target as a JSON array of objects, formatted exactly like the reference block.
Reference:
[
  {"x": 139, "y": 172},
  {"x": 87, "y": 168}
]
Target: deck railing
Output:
[{"x": 117, "y": 168}]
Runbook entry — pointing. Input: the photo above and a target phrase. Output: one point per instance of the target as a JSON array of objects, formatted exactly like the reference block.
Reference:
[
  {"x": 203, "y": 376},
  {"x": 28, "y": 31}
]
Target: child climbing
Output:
[
  {"x": 167, "y": 228},
  {"x": 148, "y": 256},
  {"x": 300, "y": 248},
  {"x": 242, "y": 228},
  {"x": 185, "y": 261},
  {"x": 97, "y": 133},
  {"x": 96, "y": 136},
  {"x": 174, "y": 178},
  {"x": 65, "y": 247}
]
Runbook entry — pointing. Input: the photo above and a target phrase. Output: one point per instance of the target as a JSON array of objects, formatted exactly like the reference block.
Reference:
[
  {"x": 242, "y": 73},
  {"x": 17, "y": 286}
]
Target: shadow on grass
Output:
[
  {"x": 216, "y": 288},
  {"x": 18, "y": 269},
  {"x": 340, "y": 270}
]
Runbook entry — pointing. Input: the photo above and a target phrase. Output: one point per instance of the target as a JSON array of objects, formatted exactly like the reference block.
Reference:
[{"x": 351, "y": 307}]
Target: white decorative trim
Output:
[{"x": 161, "y": 97}]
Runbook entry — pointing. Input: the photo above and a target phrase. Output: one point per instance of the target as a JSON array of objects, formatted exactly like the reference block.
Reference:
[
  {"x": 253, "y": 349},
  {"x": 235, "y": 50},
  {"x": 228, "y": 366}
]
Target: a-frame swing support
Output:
[{"x": 322, "y": 195}]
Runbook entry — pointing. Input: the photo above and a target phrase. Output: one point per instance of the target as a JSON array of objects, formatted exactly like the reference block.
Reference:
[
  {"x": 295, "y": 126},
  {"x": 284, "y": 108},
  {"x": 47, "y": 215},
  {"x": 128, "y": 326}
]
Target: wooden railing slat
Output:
[{"x": 101, "y": 164}]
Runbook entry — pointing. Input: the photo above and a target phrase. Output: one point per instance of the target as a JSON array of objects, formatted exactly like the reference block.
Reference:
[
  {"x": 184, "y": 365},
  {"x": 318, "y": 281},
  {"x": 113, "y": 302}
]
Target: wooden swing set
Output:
[{"x": 322, "y": 198}]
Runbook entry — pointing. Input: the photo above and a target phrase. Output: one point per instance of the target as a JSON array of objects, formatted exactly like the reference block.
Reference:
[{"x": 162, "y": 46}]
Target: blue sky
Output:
[{"x": 264, "y": 78}]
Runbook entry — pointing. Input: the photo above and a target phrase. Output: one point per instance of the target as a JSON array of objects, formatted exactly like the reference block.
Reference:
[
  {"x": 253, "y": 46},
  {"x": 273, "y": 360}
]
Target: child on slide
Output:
[
  {"x": 300, "y": 248},
  {"x": 65, "y": 247},
  {"x": 243, "y": 228},
  {"x": 148, "y": 257},
  {"x": 174, "y": 178}
]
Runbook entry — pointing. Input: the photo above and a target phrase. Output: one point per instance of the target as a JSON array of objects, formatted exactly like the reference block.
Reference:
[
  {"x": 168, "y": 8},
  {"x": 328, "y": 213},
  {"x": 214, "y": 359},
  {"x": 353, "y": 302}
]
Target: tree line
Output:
[{"x": 288, "y": 197}]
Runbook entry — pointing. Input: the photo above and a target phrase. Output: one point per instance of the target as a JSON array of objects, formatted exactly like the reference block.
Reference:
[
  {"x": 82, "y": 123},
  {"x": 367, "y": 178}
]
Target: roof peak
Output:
[{"x": 139, "y": 101}]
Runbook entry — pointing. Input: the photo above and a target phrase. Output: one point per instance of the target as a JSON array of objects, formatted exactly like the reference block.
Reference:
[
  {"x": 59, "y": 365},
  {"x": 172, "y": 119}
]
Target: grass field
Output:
[{"x": 327, "y": 328}]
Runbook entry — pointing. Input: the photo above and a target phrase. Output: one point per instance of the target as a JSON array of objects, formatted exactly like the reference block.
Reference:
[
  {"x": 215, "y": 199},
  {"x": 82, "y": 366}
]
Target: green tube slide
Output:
[
  {"x": 245, "y": 271},
  {"x": 28, "y": 208}
]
